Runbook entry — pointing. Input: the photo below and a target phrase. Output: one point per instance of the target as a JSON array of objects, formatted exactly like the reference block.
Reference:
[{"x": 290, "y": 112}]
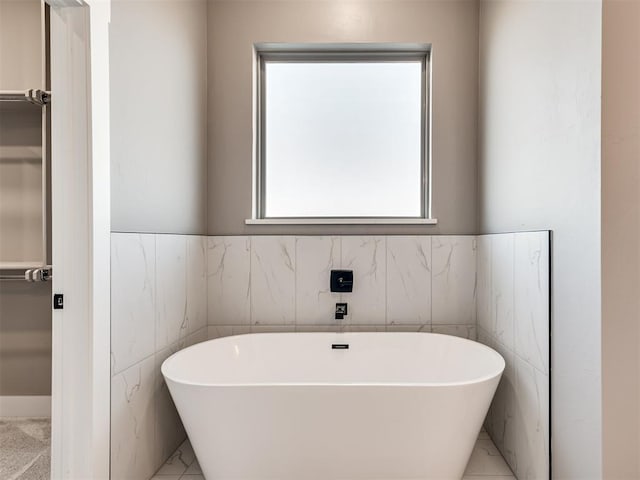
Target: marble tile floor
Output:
[
  {"x": 485, "y": 463},
  {"x": 25, "y": 446}
]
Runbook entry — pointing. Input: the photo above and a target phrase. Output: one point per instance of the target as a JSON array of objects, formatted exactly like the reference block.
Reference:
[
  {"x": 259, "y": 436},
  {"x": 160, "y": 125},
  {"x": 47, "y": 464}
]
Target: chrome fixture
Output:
[{"x": 35, "y": 274}]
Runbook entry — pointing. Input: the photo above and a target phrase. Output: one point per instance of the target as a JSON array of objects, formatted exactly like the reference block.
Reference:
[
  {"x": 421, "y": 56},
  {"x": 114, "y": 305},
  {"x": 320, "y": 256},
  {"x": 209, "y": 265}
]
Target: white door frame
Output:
[{"x": 80, "y": 238}]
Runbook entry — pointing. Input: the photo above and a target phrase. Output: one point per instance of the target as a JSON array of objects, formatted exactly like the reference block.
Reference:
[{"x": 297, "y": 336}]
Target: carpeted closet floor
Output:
[{"x": 25, "y": 448}]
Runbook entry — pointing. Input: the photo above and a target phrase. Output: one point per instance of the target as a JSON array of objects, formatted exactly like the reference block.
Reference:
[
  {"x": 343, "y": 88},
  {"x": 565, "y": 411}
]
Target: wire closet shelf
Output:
[
  {"x": 33, "y": 96},
  {"x": 29, "y": 271},
  {"x": 36, "y": 274}
]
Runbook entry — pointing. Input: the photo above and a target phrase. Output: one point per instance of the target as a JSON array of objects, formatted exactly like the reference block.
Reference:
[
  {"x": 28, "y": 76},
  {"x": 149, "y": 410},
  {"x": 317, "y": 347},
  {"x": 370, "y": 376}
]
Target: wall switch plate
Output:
[{"x": 58, "y": 301}]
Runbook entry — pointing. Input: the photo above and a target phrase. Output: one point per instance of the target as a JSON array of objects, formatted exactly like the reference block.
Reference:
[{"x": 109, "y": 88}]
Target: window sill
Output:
[{"x": 341, "y": 221}]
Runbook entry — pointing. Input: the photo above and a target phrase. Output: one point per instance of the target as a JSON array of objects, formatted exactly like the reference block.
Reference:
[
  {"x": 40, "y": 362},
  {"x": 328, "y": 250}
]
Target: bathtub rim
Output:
[{"x": 480, "y": 379}]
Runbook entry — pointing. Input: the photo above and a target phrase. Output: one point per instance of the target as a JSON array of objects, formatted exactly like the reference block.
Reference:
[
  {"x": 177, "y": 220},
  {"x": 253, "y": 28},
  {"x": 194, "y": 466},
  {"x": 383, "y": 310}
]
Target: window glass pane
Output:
[{"x": 343, "y": 139}]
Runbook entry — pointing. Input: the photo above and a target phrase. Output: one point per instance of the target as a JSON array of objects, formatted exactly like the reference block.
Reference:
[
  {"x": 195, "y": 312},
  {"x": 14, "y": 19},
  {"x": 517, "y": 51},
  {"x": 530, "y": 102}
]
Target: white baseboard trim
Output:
[{"x": 25, "y": 406}]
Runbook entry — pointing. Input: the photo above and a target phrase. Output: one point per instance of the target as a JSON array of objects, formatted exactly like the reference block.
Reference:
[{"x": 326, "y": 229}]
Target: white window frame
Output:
[{"x": 366, "y": 52}]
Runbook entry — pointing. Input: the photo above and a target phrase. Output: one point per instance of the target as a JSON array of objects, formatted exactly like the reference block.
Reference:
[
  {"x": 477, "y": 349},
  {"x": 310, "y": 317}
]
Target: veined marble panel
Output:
[
  {"x": 171, "y": 288},
  {"x": 273, "y": 328},
  {"x": 196, "y": 283},
  {"x": 201, "y": 335},
  {"x": 532, "y": 298},
  {"x": 484, "y": 301},
  {"x": 453, "y": 283},
  {"x": 408, "y": 280},
  {"x": 366, "y": 256},
  {"x": 316, "y": 256},
  {"x": 518, "y": 420},
  {"x": 229, "y": 274},
  {"x": 273, "y": 265},
  {"x": 318, "y": 328},
  {"x": 133, "y": 410},
  {"x": 218, "y": 331},
  {"x": 158, "y": 297},
  {"x": 531, "y": 422},
  {"x": 502, "y": 286},
  {"x": 462, "y": 331},
  {"x": 426, "y": 328},
  {"x": 363, "y": 328},
  {"x": 500, "y": 421},
  {"x": 275, "y": 284},
  {"x": 133, "y": 280},
  {"x": 169, "y": 431},
  {"x": 392, "y": 284}
]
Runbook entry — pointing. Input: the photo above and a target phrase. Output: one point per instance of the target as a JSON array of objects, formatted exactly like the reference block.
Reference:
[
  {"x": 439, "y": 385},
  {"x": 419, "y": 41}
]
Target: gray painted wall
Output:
[
  {"x": 20, "y": 183},
  {"x": 539, "y": 168},
  {"x": 20, "y": 45},
  {"x": 25, "y": 309},
  {"x": 158, "y": 68},
  {"x": 25, "y": 338},
  {"x": 621, "y": 239},
  {"x": 452, "y": 28}
]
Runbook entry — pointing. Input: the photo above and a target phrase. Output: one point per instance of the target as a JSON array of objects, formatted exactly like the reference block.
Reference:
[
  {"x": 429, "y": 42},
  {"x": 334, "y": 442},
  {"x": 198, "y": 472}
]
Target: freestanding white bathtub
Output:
[{"x": 328, "y": 406}]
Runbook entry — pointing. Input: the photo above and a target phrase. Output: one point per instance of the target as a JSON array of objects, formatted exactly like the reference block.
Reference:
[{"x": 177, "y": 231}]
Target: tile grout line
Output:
[
  {"x": 249, "y": 239},
  {"x": 386, "y": 282},
  {"x": 514, "y": 280},
  {"x": 168, "y": 347},
  {"x": 431, "y": 287},
  {"x": 155, "y": 452},
  {"x": 295, "y": 283}
]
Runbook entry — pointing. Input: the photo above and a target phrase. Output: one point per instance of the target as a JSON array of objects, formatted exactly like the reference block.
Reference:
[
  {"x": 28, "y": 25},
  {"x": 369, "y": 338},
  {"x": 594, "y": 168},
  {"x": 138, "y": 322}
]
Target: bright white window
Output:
[{"x": 342, "y": 133}]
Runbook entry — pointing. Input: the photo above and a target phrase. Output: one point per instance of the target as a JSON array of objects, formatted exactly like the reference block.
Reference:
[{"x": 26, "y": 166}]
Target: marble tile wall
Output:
[
  {"x": 158, "y": 306},
  {"x": 513, "y": 318},
  {"x": 171, "y": 291},
  {"x": 281, "y": 283}
]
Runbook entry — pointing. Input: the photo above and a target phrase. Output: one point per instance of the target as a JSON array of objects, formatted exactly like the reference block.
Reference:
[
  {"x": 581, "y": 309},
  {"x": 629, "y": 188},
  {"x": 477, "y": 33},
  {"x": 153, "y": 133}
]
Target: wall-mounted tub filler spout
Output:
[{"x": 341, "y": 310}]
